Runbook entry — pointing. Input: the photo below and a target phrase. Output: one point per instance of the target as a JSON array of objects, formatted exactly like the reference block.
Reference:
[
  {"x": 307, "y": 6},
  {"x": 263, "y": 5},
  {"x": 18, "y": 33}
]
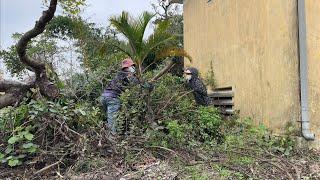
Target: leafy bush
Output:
[
  {"x": 179, "y": 122},
  {"x": 24, "y": 128},
  {"x": 75, "y": 114},
  {"x": 19, "y": 145},
  {"x": 88, "y": 86},
  {"x": 243, "y": 133},
  {"x": 209, "y": 124}
]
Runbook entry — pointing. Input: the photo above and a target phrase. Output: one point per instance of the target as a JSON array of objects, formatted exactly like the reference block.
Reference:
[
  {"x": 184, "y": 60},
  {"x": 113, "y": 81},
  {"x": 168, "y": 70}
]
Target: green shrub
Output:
[
  {"x": 13, "y": 117},
  {"x": 179, "y": 121},
  {"x": 88, "y": 86},
  {"x": 243, "y": 134},
  {"x": 168, "y": 101},
  {"x": 209, "y": 124},
  {"x": 23, "y": 127},
  {"x": 79, "y": 115},
  {"x": 19, "y": 145}
]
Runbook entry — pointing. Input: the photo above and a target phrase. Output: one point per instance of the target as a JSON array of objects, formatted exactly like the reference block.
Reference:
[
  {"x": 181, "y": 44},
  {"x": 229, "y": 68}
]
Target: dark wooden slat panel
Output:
[
  {"x": 227, "y": 88},
  {"x": 222, "y": 98},
  {"x": 227, "y": 112},
  {"x": 223, "y": 102},
  {"x": 221, "y": 94}
]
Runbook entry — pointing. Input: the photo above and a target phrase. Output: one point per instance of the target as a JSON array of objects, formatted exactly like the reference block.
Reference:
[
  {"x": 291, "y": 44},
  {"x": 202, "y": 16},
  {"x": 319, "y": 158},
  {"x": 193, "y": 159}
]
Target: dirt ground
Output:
[{"x": 173, "y": 165}]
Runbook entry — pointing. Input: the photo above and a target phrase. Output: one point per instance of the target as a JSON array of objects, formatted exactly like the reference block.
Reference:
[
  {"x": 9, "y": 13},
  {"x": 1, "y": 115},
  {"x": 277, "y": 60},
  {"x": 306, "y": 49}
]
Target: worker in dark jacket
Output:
[
  {"x": 194, "y": 82},
  {"x": 111, "y": 94}
]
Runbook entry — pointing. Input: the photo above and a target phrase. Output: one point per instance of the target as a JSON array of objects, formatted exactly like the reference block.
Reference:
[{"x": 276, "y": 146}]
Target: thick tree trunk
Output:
[
  {"x": 9, "y": 99},
  {"x": 14, "y": 91}
]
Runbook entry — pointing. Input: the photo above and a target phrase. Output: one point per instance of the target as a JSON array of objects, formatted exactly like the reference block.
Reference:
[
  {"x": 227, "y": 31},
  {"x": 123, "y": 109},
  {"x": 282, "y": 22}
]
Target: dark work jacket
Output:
[
  {"x": 198, "y": 87},
  {"x": 119, "y": 84}
]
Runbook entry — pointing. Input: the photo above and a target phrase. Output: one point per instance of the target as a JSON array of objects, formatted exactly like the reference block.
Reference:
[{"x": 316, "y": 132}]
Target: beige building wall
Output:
[
  {"x": 253, "y": 47},
  {"x": 313, "y": 42}
]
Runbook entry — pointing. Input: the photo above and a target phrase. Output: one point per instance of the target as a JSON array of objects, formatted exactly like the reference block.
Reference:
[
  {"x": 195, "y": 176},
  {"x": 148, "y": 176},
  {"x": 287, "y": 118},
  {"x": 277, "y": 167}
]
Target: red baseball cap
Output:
[{"x": 127, "y": 63}]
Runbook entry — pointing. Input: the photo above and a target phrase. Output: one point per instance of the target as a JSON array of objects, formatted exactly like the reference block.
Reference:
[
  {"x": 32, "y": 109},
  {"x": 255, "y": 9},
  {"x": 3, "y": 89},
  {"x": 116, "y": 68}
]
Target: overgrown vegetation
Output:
[
  {"x": 162, "y": 133},
  {"x": 187, "y": 138}
]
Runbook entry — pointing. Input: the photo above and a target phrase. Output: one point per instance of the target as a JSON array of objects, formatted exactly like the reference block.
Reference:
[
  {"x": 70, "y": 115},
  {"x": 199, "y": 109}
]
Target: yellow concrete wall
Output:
[
  {"x": 313, "y": 42},
  {"x": 253, "y": 47}
]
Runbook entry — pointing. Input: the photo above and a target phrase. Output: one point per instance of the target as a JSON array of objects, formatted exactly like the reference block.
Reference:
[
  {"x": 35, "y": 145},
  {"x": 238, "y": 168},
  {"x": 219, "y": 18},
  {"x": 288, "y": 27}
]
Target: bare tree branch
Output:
[
  {"x": 9, "y": 100},
  {"x": 163, "y": 71},
  {"x": 15, "y": 91},
  {"x": 6, "y": 85},
  {"x": 47, "y": 88},
  {"x": 38, "y": 29}
]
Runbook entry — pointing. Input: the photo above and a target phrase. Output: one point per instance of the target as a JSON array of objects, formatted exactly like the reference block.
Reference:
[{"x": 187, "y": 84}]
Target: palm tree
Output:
[{"x": 161, "y": 43}]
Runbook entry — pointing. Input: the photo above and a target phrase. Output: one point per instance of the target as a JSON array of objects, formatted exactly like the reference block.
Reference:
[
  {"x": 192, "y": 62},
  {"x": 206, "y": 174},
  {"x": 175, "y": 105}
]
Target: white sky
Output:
[{"x": 20, "y": 15}]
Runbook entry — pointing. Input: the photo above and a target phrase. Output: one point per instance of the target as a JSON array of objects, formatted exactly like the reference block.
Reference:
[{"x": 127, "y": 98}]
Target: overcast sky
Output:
[{"x": 20, "y": 15}]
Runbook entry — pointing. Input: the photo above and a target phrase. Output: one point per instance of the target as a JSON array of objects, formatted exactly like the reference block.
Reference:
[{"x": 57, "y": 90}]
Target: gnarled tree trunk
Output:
[{"x": 15, "y": 91}]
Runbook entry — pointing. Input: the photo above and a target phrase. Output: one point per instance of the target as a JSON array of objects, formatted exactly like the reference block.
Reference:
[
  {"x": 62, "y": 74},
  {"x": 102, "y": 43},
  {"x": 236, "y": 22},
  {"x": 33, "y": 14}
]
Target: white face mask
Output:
[
  {"x": 132, "y": 69},
  {"x": 188, "y": 77}
]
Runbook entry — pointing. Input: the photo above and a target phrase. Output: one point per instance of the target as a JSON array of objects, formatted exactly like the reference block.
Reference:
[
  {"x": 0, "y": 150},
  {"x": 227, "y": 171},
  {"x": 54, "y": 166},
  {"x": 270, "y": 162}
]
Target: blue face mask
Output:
[
  {"x": 132, "y": 69},
  {"x": 188, "y": 77}
]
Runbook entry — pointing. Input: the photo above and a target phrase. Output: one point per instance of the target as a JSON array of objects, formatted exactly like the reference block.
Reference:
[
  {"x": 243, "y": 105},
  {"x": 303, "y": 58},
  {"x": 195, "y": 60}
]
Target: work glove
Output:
[{"x": 148, "y": 85}]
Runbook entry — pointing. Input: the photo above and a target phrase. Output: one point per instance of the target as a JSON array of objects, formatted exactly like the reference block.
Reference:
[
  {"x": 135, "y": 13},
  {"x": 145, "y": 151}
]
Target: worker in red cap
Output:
[{"x": 111, "y": 94}]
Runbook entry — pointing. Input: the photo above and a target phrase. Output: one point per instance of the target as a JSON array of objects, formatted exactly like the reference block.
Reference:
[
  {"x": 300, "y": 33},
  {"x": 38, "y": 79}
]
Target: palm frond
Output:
[
  {"x": 160, "y": 42},
  {"x": 172, "y": 52},
  {"x": 125, "y": 48},
  {"x": 121, "y": 23},
  {"x": 140, "y": 26},
  {"x": 132, "y": 29},
  {"x": 159, "y": 39},
  {"x": 162, "y": 27}
]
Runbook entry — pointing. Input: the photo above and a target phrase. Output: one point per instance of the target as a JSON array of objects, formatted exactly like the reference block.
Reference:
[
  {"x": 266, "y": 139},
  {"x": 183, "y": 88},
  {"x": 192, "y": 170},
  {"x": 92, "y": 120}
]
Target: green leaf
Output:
[
  {"x": 8, "y": 150},
  {"x": 82, "y": 112},
  {"x": 28, "y": 136},
  {"x": 33, "y": 149},
  {"x": 13, "y": 140},
  {"x": 9, "y": 157},
  {"x": 27, "y": 145},
  {"x": 287, "y": 152},
  {"x": 13, "y": 162},
  {"x": 53, "y": 110},
  {"x": 1, "y": 156},
  {"x": 60, "y": 85},
  {"x": 23, "y": 133},
  {"x": 21, "y": 156}
]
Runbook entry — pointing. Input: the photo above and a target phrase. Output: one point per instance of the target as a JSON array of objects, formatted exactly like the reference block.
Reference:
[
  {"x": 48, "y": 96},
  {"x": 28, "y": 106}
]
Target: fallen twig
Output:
[
  {"x": 68, "y": 129},
  {"x": 48, "y": 167},
  {"x": 269, "y": 161},
  {"x": 170, "y": 150}
]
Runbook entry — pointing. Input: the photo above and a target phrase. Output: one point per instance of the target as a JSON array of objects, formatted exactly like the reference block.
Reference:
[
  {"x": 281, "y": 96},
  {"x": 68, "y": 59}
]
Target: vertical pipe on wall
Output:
[{"x": 303, "y": 60}]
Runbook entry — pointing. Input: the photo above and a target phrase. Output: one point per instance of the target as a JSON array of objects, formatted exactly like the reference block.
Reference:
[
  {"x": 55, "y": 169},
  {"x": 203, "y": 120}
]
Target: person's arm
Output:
[
  {"x": 199, "y": 87},
  {"x": 133, "y": 79},
  {"x": 148, "y": 85}
]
